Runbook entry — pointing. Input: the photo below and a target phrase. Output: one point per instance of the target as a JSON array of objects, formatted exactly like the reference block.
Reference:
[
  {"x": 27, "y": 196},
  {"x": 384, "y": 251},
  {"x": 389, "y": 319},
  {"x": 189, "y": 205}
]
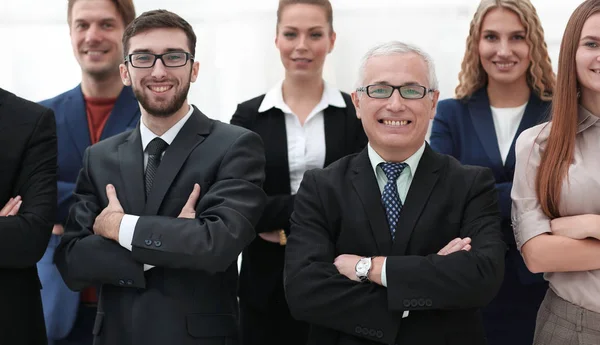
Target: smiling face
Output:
[
  {"x": 304, "y": 39},
  {"x": 162, "y": 91},
  {"x": 96, "y": 29},
  {"x": 503, "y": 51},
  {"x": 587, "y": 59},
  {"x": 396, "y": 127}
]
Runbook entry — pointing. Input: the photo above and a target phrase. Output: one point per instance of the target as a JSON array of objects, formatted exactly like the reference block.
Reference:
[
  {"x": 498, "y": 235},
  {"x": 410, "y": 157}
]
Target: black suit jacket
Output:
[
  {"x": 338, "y": 210},
  {"x": 262, "y": 263},
  {"x": 28, "y": 169},
  {"x": 190, "y": 296}
]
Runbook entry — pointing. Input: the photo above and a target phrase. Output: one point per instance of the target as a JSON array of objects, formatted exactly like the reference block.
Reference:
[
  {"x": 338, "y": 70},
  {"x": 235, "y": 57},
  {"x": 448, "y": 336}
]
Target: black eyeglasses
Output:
[
  {"x": 147, "y": 60},
  {"x": 381, "y": 91}
]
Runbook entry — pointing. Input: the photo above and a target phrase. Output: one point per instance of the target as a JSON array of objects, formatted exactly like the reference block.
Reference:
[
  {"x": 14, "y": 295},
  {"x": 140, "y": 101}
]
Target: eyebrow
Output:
[
  {"x": 590, "y": 37},
  {"x": 383, "y": 82},
  {"x": 520, "y": 32},
  {"x": 310, "y": 29},
  {"x": 82, "y": 20},
  {"x": 168, "y": 50}
]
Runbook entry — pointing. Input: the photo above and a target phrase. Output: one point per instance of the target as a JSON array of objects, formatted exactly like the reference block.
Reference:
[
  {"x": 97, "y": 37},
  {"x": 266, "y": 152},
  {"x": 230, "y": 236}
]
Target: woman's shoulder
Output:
[{"x": 533, "y": 138}]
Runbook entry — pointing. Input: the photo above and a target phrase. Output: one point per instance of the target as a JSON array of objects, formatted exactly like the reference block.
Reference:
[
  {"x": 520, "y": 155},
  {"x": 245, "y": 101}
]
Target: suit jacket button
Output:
[
  {"x": 406, "y": 303},
  {"x": 158, "y": 243},
  {"x": 358, "y": 329},
  {"x": 379, "y": 334},
  {"x": 428, "y": 302},
  {"x": 414, "y": 303},
  {"x": 365, "y": 331},
  {"x": 421, "y": 302},
  {"x": 372, "y": 333},
  {"x": 121, "y": 282},
  {"x": 148, "y": 242}
]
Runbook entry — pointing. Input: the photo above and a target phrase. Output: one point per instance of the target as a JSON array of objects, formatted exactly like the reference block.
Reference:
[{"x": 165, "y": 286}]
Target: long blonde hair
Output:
[{"x": 540, "y": 76}]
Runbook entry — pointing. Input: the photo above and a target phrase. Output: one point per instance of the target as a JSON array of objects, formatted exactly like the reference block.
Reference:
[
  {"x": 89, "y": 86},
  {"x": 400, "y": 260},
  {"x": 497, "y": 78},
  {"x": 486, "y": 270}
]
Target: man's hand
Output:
[
  {"x": 12, "y": 207},
  {"x": 189, "y": 209},
  {"x": 346, "y": 265},
  {"x": 58, "y": 230},
  {"x": 577, "y": 227},
  {"x": 109, "y": 220},
  {"x": 271, "y": 236},
  {"x": 456, "y": 245}
]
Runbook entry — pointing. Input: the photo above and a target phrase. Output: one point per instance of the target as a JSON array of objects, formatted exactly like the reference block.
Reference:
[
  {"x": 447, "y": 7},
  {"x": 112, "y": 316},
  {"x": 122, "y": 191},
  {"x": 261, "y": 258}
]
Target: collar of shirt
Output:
[
  {"x": 274, "y": 99},
  {"x": 586, "y": 119},
  {"x": 405, "y": 179},
  {"x": 147, "y": 135}
]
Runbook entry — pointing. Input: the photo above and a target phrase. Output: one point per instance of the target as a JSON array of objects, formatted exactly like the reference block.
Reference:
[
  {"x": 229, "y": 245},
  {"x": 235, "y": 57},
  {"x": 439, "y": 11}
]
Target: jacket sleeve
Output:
[
  {"x": 460, "y": 280},
  {"x": 83, "y": 258},
  {"x": 25, "y": 235},
  {"x": 225, "y": 217},
  {"x": 315, "y": 291}
]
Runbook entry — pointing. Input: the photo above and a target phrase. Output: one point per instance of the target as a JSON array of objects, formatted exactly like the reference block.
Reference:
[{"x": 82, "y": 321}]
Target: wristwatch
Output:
[{"x": 363, "y": 266}]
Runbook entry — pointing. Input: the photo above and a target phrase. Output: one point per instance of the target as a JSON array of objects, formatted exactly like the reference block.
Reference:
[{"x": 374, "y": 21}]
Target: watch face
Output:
[{"x": 362, "y": 266}]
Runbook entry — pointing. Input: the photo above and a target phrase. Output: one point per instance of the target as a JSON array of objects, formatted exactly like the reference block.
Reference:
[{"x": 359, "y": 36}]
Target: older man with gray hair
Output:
[{"x": 397, "y": 244}]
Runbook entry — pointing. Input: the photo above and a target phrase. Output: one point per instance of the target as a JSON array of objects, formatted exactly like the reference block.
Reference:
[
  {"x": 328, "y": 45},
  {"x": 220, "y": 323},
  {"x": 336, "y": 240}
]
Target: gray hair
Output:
[{"x": 396, "y": 47}]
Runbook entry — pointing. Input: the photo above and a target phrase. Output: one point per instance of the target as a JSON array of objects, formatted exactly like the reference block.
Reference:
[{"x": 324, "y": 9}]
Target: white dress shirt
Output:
[
  {"x": 128, "y": 223},
  {"x": 403, "y": 184},
  {"x": 305, "y": 143},
  {"x": 506, "y": 124}
]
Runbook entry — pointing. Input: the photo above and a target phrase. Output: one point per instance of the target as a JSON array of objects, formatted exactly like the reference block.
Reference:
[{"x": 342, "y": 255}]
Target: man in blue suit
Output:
[{"x": 96, "y": 109}]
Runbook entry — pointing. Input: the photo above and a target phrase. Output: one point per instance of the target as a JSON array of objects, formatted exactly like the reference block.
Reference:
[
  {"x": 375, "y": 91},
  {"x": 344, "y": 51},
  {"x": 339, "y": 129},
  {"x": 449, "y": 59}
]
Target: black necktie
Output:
[{"x": 154, "y": 149}]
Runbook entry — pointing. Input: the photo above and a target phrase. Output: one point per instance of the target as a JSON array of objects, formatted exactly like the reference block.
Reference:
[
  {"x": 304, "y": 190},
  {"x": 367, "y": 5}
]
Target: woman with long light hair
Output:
[
  {"x": 505, "y": 85},
  {"x": 556, "y": 192}
]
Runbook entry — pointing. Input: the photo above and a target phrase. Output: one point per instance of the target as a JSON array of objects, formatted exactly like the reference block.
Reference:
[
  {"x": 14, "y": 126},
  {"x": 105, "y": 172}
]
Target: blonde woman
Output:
[{"x": 506, "y": 83}]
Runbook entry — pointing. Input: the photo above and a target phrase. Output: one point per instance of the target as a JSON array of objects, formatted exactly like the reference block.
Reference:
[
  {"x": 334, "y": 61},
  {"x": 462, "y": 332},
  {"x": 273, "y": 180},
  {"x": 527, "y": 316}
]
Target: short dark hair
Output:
[
  {"x": 125, "y": 8},
  {"x": 324, "y": 4},
  {"x": 158, "y": 19}
]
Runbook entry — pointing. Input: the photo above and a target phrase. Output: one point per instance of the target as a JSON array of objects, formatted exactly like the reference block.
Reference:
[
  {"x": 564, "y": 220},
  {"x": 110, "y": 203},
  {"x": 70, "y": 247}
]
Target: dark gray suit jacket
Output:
[{"x": 190, "y": 296}]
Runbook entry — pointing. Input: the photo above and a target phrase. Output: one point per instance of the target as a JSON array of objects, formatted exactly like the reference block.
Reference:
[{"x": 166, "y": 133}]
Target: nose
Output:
[
  {"x": 92, "y": 34},
  {"x": 301, "y": 42},
  {"x": 159, "y": 71},
  {"x": 396, "y": 103},
  {"x": 504, "y": 49}
]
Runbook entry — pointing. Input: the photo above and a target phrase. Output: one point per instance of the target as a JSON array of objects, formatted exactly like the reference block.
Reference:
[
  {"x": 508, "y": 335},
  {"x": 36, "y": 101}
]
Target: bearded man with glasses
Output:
[
  {"x": 162, "y": 212},
  {"x": 397, "y": 244}
]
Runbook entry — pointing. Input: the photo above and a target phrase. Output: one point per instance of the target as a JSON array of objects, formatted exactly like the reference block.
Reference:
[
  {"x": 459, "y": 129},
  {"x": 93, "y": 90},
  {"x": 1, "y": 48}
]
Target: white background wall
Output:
[{"x": 236, "y": 43}]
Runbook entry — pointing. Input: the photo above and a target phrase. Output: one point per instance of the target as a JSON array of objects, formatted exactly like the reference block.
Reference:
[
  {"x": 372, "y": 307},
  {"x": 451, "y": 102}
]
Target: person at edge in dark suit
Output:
[
  {"x": 397, "y": 244},
  {"x": 305, "y": 123},
  {"x": 98, "y": 108},
  {"x": 162, "y": 212},
  {"x": 506, "y": 84},
  {"x": 28, "y": 196}
]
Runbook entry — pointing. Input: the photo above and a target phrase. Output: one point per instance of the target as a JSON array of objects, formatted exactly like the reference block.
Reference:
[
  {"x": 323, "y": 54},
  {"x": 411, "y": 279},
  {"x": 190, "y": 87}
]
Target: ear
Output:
[
  {"x": 436, "y": 96},
  {"x": 124, "y": 72},
  {"x": 332, "y": 38},
  {"x": 195, "y": 69},
  {"x": 356, "y": 102}
]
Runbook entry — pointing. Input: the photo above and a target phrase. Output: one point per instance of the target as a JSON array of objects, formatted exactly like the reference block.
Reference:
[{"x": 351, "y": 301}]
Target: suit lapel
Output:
[
  {"x": 131, "y": 163},
  {"x": 191, "y": 135},
  {"x": 76, "y": 119},
  {"x": 271, "y": 127},
  {"x": 125, "y": 114},
  {"x": 483, "y": 122},
  {"x": 335, "y": 133},
  {"x": 365, "y": 184},
  {"x": 535, "y": 113},
  {"x": 420, "y": 188}
]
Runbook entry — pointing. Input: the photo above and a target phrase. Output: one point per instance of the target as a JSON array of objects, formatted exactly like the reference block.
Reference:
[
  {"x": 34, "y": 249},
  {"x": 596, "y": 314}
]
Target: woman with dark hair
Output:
[
  {"x": 556, "y": 193},
  {"x": 506, "y": 83},
  {"x": 305, "y": 123}
]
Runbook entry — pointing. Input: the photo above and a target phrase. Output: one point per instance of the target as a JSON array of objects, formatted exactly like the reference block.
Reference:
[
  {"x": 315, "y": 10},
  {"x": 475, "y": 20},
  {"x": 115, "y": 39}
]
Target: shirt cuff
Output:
[
  {"x": 384, "y": 282},
  {"x": 383, "y": 274},
  {"x": 126, "y": 230}
]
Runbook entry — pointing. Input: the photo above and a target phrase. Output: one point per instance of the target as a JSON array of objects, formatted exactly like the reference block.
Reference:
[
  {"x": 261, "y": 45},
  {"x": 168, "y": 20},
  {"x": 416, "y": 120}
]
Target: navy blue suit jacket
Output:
[
  {"x": 60, "y": 304},
  {"x": 465, "y": 130}
]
